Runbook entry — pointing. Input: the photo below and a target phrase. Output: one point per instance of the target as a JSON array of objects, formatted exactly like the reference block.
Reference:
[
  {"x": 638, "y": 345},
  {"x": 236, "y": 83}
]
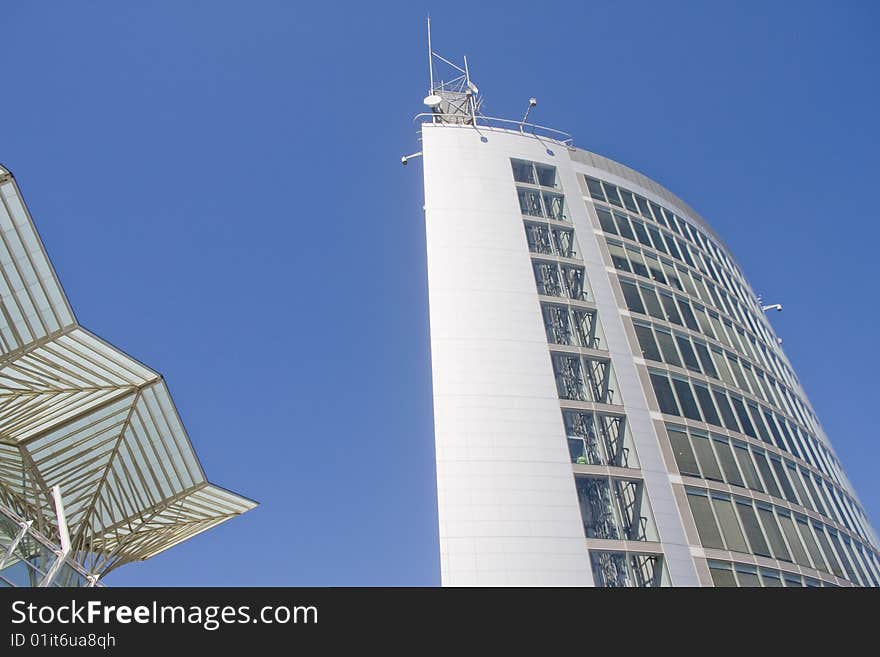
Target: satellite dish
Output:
[
  {"x": 433, "y": 101},
  {"x": 473, "y": 87}
]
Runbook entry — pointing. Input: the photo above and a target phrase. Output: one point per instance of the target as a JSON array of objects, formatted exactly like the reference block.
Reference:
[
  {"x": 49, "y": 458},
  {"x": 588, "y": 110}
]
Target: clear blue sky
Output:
[{"x": 218, "y": 185}]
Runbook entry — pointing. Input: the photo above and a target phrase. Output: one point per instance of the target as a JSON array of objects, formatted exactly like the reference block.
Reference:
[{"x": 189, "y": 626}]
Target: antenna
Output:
[
  {"x": 455, "y": 100},
  {"x": 430, "y": 58}
]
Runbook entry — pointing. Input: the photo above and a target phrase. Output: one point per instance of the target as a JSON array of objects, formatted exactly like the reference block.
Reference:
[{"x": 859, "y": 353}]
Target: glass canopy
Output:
[{"x": 78, "y": 413}]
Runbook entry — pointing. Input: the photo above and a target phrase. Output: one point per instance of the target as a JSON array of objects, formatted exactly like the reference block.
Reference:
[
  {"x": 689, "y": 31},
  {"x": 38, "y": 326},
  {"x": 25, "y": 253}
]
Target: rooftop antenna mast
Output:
[{"x": 456, "y": 100}]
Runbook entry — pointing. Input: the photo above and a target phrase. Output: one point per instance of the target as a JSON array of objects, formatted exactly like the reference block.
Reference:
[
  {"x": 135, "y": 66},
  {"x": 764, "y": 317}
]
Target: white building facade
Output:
[{"x": 612, "y": 407}]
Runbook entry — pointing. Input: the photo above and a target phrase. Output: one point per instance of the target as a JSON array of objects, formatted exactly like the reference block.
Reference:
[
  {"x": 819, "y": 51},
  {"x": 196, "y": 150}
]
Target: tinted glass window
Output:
[
  {"x": 743, "y": 417},
  {"x": 728, "y": 463},
  {"x": 631, "y": 294},
  {"x": 747, "y": 467},
  {"x": 611, "y": 193},
  {"x": 707, "y": 528},
  {"x": 705, "y": 360},
  {"x": 652, "y": 303},
  {"x": 689, "y": 319},
  {"x": 774, "y": 535},
  {"x": 606, "y": 221},
  {"x": 766, "y": 475},
  {"x": 647, "y": 343},
  {"x": 726, "y": 411},
  {"x": 641, "y": 233},
  {"x": 687, "y": 353},
  {"x": 663, "y": 391},
  {"x": 595, "y": 188},
  {"x": 706, "y": 457},
  {"x": 733, "y": 536},
  {"x": 706, "y": 405},
  {"x": 686, "y": 398},
  {"x": 667, "y": 347},
  {"x": 753, "y": 530},
  {"x": 671, "y": 310},
  {"x": 684, "y": 455}
]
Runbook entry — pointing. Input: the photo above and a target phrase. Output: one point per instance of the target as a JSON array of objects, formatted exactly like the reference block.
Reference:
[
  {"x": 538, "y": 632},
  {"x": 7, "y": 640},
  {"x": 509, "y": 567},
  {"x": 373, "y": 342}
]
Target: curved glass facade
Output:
[{"x": 766, "y": 494}]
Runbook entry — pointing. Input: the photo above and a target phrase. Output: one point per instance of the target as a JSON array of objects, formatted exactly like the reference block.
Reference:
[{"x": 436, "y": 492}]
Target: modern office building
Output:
[
  {"x": 612, "y": 406},
  {"x": 96, "y": 469}
]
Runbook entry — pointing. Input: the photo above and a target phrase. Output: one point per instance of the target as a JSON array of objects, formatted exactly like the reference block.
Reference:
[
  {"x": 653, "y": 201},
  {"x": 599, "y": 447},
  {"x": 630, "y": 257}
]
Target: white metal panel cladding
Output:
[
  {"x": 508, "y": 509},
  {"x": 79, "y": 413}
]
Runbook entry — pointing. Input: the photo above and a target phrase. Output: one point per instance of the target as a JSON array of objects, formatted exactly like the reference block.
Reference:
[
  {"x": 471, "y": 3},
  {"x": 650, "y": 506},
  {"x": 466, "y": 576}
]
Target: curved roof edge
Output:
[{"x": 646, "y": 184}]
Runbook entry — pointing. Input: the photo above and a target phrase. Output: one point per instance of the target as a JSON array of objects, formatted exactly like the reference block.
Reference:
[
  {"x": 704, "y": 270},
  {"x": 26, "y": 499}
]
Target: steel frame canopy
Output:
[{"x": 78, "y": 413}]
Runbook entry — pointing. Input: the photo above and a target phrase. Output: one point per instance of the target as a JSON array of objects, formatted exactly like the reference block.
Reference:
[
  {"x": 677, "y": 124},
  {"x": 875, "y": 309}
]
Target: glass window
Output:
[
  {"x": 728, "y": 462},
  {"x": 722, "y": 574},
  {"x": 743, "y": 417},
  {"x": 611, "y": 194},
  {"x": 747, "y": 576},
  {"x": 635, "y": 260},
  {"x": 687, "y": 354},
  {"x": 817, "y": 501},
  {"x": 733, "y": 536},
  {"x": 644, "y": 210},
  {"x": 798, "y": 484},
  {"x": 641, "y": 233},
  {"x": 686, "y": 399},
  {"x": 709, "y": 535},
  {"x": 657, "y": 239},
  {"x": 703, "y": 320},
  {"x": 766, "y": 474},
  {"x": 655, "y": 268},
  {"x": 667, "y": 347},
  {"x": 726, "y": 411},
  {"x": 770, "y": 578},
  {"x": 546, "y": 175},
  {"x": 793, "y": 580},
  {"x": 631, "y": 294},
  {"x": 723, "y": 368},
  {"x": 530, "y": 202},
  {"x": 681, "y": 449},
  {"x": 623, "y": 226},
  {"x": 706, "y": 457},
  {"x": 706, "y": 404},
  {"x": 689, "y": 319},
  {"x": 774, "y": 535},
  {"x": 774, "y": 431},
  {"x": 647, "y": 343},
  {"x": 787, "y": 490},
  {"x": 753, "y": 530},
  {"x": 658, "y": 214},
  {"x": 830, "y": 557},
  {"x": 758, "y": 423},
  {"x": 554, "y": 206},
  {"x": 810, "y": 542},
  {"x": 794, "y": 541},
  {"x": 737, "y": 372},
  {"x": 628, "y": 200},
  {"x": 595, "y": 188},
  {"x": 747, "y": 467},
  {"x": 523, "y": 172},
  {"x": 669, "y": 307},
  {"x": 671, "y": 246},
  {"x": 618, "y": 257},
  {"x": 663, "y": 391},
  {"x": 652, "y": 304},
  {"x": 606, "y": 221},
  {"x": 672, "y": 275},
  {"x": 705, "y": 359}
]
